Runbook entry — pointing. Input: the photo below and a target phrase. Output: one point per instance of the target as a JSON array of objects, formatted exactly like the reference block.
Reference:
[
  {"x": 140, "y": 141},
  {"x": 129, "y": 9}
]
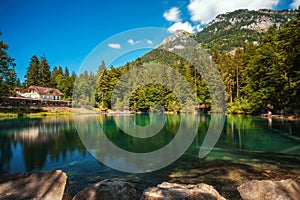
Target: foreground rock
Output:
[
  {"x": 38, "y": 185},
  {"x": 107, "y": 190},
  {"x": 269, "y": 190},
  {"x": 172, "y": 191}
]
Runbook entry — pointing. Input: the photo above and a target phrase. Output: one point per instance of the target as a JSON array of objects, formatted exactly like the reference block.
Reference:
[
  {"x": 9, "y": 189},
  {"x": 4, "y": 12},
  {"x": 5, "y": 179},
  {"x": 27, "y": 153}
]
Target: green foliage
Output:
[
  {"x": 64, "y": 82},
  {"x": 106, "y": 85},
  {"x": 266, "y": 74},
  {"x": 45, "y": 73},
  {"x": 254, "y": 75},
  {"x": 145, "y": 97},
  {"x": 7, "y": 71},
  {"x": 84, "y": 89},
  {"x": 33, "y": 72},
  {"x": 240, "y": 106},
  {"x": 239, "y": 28},
  {"x": 272, "y": 69},
  {"x": 39, "y": 74},
  {"x": 55, "y": 72}
]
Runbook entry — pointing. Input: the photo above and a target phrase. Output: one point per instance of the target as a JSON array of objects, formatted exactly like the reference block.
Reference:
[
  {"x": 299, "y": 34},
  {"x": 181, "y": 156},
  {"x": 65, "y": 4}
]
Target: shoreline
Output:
[
  {"x": 34, "y": 112},
  {"x": 281, "y": 117},
  {"x": 224, "y": 176},
  {"x": 14, "y": 112}
]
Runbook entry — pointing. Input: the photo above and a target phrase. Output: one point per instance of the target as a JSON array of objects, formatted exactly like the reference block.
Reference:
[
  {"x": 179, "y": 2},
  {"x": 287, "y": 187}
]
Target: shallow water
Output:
[{"x": 248, "y": 148}]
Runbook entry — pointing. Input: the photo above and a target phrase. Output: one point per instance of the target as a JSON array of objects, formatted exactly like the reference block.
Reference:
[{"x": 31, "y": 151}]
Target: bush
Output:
[{"x": 240, "y": 106}]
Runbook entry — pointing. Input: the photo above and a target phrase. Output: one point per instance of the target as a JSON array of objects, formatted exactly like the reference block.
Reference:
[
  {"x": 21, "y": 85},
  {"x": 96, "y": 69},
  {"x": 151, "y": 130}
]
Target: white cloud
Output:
[
  {"x": 114, "y": 45},
  {"x": 198, "y": 28},
  {"x": 204, "y": 11},
  {"x": 295, "y": 4},
  {"x": 149, "y": 42},
  {"x": 172, "y": 15},
  {"x": 131, "y": 41},
  {"x": 186, "y": 26}
]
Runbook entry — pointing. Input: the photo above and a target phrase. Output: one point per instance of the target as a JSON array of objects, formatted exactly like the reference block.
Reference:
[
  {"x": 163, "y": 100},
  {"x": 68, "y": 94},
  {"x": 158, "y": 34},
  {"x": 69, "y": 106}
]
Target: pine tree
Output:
[
  {"x": 45, "y": 73},
  {"x": 289, "y": 42},
  {"x": 68, "y": 84},
  {"x": 33, "y": 72},
  {"x": 66, "y": 72},
  {"x": 18, "y": 83},
  {"x": 7, "y": 72},
  {"x": 55, "y": 72},
  {"x": 265, "y": 78}
]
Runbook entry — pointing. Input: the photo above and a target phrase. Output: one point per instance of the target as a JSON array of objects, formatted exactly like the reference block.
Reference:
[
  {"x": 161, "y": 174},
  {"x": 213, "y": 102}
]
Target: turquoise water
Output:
[{"x": 42, "y": 144}]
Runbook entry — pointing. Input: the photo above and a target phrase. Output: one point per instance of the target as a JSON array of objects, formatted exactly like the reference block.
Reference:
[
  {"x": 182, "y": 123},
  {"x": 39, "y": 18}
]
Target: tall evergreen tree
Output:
[
  {"x": 55, "y": 72},
  {"x": 33, "y": 72},
  {"x": 289, "y": 43},
  {"x": 67, "y": 84},
  {"x": 7, "y": 72},
  {"x": 66, "y": 72},
  {"x": 45, "y": 73},
  {"x": 18, "y": 83}
]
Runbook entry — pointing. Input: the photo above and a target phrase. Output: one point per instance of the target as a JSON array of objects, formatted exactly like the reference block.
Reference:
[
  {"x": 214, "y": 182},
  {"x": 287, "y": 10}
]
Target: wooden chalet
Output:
[{"x": 36, "y": 96}]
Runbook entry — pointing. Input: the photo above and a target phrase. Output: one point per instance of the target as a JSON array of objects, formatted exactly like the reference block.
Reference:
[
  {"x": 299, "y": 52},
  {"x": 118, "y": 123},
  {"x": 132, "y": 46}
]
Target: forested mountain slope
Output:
[{"x": 239, "y": 28}]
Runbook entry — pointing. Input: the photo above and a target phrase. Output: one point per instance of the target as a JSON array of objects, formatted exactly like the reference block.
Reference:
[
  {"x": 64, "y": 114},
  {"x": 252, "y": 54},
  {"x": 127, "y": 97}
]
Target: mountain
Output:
[
  {"x": 180, "y": 36},
  {"x": 169, "y": 51},
  {"x": 227, "y": 32},
  {"x": 252, "y": 78},
  {"x": 236, "y": 29}
]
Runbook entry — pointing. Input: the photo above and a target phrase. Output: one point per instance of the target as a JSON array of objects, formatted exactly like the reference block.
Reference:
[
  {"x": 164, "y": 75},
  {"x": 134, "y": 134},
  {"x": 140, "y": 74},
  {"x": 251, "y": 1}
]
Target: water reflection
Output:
[
  {"x": 255, "y": 134},
  {"x": 28, "y": 144},
  {"x": 125, "y": 152},
  {"x": 35, "y": 141}
]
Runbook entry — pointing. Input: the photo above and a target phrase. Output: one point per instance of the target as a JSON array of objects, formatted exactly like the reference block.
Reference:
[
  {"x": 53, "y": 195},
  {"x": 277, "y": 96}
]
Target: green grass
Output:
[{"x": 28, "y": 112}]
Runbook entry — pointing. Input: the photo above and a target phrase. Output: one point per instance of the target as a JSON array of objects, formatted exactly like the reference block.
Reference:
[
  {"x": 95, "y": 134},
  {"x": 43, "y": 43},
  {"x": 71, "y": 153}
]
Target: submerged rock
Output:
[
  {"x": 269, "y": 190},
  {"x": 172, "y": 191},
  {"x": 107, "y": 190},
  {"x": 37, "y": 185}
]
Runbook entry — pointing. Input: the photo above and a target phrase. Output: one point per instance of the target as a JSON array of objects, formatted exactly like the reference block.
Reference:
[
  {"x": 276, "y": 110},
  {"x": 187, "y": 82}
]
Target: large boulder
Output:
[
  {"x": 174, "y": 191},
  {"x": 37, "y": 185},
  {"x": 269, "y": 190},
  {"x": 107, "y": 190}
]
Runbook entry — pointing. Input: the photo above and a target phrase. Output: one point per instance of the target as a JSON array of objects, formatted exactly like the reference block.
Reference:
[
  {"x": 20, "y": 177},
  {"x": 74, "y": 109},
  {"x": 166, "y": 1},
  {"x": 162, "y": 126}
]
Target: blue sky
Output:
[{"x": 67, "y": 31}]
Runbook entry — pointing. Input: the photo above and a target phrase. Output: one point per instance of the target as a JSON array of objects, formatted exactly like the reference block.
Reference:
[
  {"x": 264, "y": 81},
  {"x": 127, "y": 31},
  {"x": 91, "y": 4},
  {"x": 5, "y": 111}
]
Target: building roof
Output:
[{"x": 45, "y": 90}]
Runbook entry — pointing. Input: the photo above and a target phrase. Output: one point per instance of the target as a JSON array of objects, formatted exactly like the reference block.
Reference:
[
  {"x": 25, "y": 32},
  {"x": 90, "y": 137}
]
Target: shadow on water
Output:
[
  {"x": 249, "y": 148},
  {"x": 224, "y": 175}
]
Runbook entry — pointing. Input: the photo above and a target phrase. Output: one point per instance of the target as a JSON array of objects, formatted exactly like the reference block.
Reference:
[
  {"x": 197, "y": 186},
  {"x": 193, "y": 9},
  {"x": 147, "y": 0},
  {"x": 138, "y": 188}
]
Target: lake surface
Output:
[{"x": 248, "y": 148}]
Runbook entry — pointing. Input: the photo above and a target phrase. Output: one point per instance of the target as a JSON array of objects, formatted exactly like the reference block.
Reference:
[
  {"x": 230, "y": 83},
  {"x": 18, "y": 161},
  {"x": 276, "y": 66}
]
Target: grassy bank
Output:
[{"x": 34, "y": 112}]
